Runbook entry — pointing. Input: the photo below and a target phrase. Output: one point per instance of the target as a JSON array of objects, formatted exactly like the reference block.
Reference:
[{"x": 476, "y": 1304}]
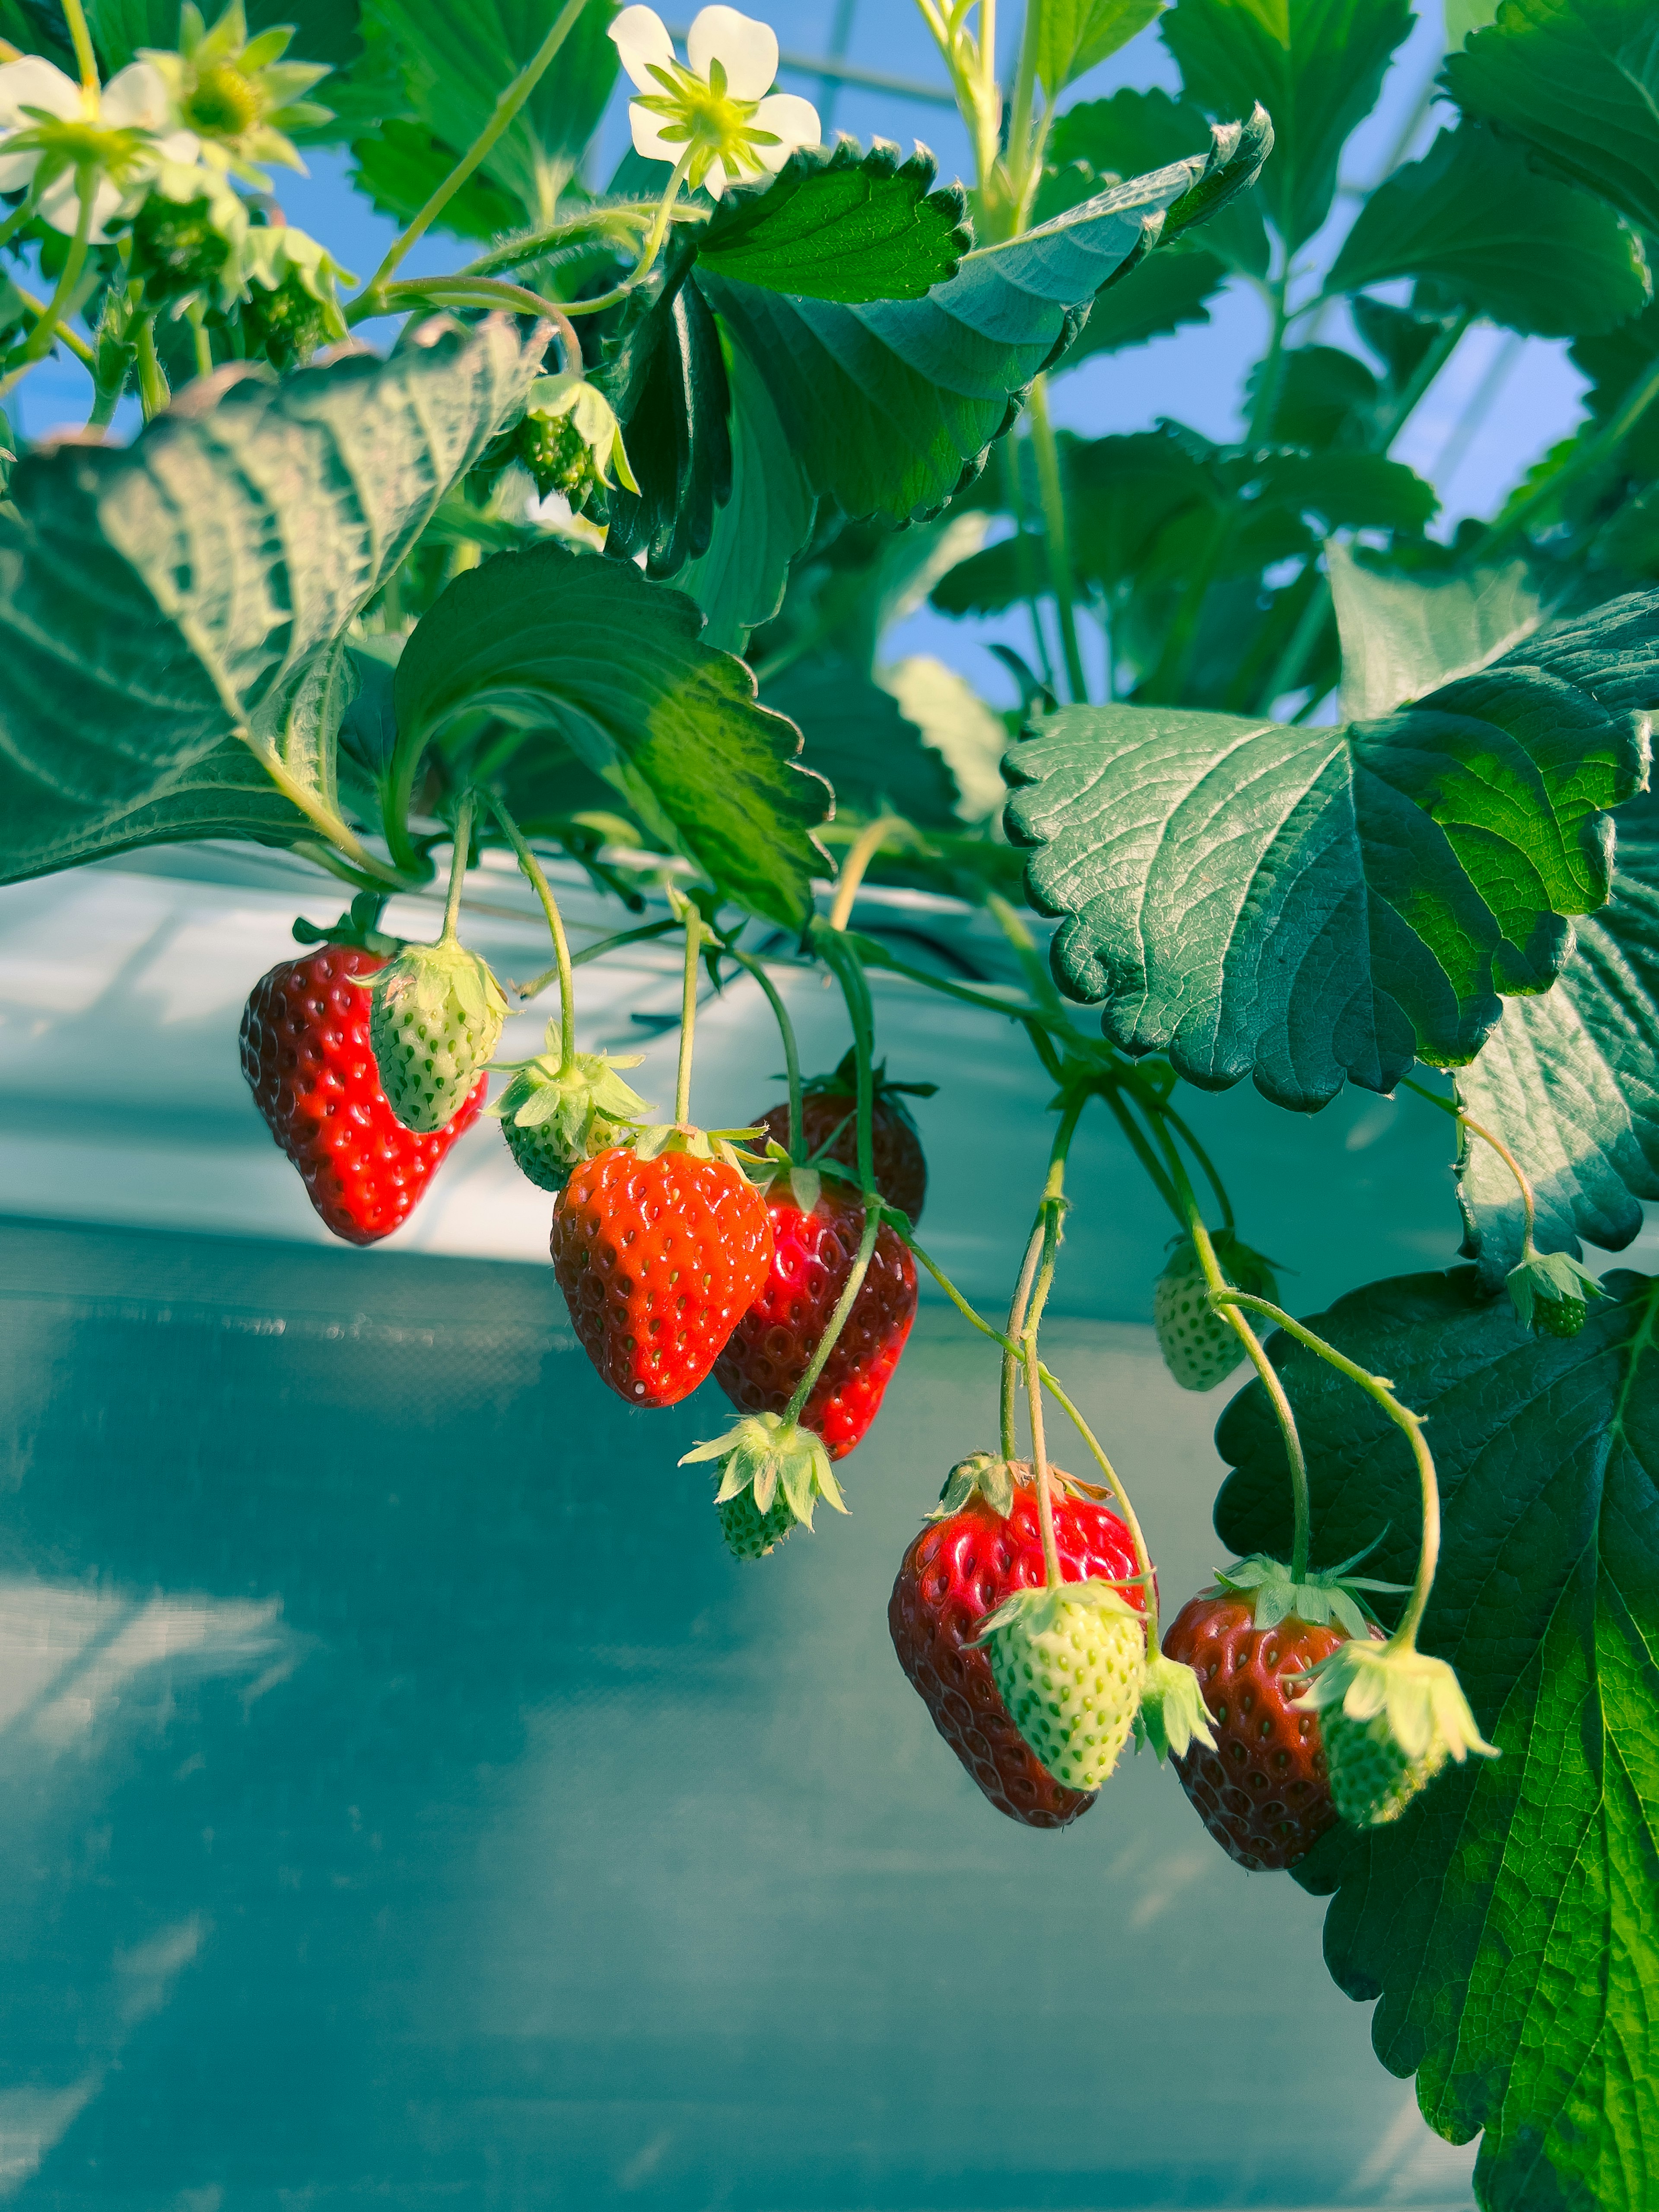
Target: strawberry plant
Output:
[{"x": 590, "y": 561}]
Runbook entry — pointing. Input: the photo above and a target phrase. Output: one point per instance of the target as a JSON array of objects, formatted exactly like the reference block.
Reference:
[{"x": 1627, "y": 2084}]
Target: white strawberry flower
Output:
[
  {"x": 117, "y": 135},
  {"x": 716, "y": 107}
]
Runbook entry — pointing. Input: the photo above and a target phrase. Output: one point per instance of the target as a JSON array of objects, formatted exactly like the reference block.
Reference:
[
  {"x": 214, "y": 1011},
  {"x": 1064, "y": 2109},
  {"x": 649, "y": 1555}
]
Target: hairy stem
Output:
[
  {"x": 652, "y": 240},
  {"x": 477, "y": 292},
  {"x": 1125, "y": 1503},
  {"x": 152, "y": 378},
  {"x": 37, "y": 344}
]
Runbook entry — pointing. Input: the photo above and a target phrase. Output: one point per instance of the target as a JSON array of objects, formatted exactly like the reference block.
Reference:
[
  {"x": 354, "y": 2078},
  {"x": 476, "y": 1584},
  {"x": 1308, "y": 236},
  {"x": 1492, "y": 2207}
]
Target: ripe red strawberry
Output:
[
  {"x": 306, "y": 1055},
  {"x": 828, "y": 1102},
  {"x": 1263, "y": 1792},
  {"x": 658, "y": 1257},
  {"x": 769, "y": 1350},
  {"x": 959, "y": 1569}
]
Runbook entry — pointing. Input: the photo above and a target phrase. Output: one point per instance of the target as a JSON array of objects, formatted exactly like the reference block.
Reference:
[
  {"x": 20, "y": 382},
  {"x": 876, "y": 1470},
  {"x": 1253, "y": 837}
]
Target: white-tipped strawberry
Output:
[{"x": 1070, "y": 1663}]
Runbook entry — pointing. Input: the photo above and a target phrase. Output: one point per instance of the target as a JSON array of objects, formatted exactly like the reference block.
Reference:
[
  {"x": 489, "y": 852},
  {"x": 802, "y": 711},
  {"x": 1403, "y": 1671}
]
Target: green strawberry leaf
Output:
[
  {"x": 1168, "y": 291},
  {"x": 1401, "y": 635},
  {"x": 402, "y": 165},
  {"x": 1101, "y": 141},
  {"x": 854, "y": 733},
  {"x": 1075, "y": 36},
  {"x": 162, "y": 606},
  {"x": 1571, "y": 1083},
  {"x": 665, "y": 377},
  {"x": 1316, "y": 66},
  {"x": 1579, "y": 81},
  {"x": 838, "y": 223},
  {"x": 1477, "y": 216},
  {"x": 1506, "y": 1922},
  {"x": 613, "y": 663},
  {"x": 1301, "y": 905}
]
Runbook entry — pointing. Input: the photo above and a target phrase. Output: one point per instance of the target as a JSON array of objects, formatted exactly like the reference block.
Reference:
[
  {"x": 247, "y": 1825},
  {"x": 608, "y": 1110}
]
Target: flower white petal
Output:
[
  {"x": 641, "y": 38},
  {"x": 746, "y": 49},
  {"x": 181, "y": 146},
  {"x": 648, "y": 135},
  {"x": 60, "y": 203},
  {"x": 15, "y": 171},
  {"x": 793, "y": 122},
  {"x": 136, "y": 100},
  {"x": 32, "y": 82},
  {"x": 715, "y": 182}
]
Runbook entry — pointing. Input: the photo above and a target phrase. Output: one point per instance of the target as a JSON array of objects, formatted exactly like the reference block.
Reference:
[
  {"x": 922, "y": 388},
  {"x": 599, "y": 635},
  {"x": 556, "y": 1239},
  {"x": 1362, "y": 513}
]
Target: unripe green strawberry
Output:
[
  {"x": 1070, "y": 1664},
  {"x": 773, "y": 1472},
  {"x": 1200, "y": 1347},
  {"x": 749, "y": 1533},
  {"x": 437, "y": 1016},
  {"x": 1391, "y": 1717},
  {"x": 553, "y": 1117},
  {"x": 1552, "y": 1292}
]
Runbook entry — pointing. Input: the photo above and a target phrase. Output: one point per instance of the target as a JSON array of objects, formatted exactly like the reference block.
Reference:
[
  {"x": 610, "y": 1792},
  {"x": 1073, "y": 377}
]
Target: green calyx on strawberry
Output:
[
  {"x": 697, "y": 1144},
  {"x": 982, "y": 1475},
  {"x": 1070, "y": 1665},
  {"x": 1173, "y": 1714},
  {"x": 360, "y": 925},
  {"x": 1199, "y": 1345},
  {"x": 555, "y": 1115},
  {"x": 1391, "y": 1719},
  {"x": 1325, "y": 1596},
  {"x": 437, "y": 1013},
  {"x": 767, "y": 1462},
  {"x": 1552, "y": 1292}
]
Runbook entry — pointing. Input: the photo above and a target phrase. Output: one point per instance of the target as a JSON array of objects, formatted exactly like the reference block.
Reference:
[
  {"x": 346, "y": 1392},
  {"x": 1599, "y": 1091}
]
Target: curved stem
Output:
[
  {"x": 859, "y": 854},
  {"x": 507, "y": 107},
  {"x": 1527, "y": 1201},
  {"x": 688, "y": 1012},
  {"x": 1374, "y": 1386},
  {"x": 1016, "y": 1306},
  {"x": 597, "y": 951},
  {"x": 544, "y": 891},
  {"x": 1024, "y": 1316},
  {"x": 37, "y": 344},
  {"x": 536, "y": 245},
  {"x": 459, "y": 854},
  {"x": 791, "y": 1054},
  {"x": 837, "y": 1322},
  {"x": 1211, "y": 1175},
  {"x": 476, "y": 292},
  {"x": 653, "y": 239}
]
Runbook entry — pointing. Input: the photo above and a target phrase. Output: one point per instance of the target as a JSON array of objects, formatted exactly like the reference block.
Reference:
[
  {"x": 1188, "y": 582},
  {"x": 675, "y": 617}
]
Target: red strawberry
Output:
[
  {"x": 1262, "y": 1792},
  {"x": 658, "y": 1258},
  {"x": 829, "y": 1102},
  {"x": 306, "y": 1055},
  {"x": 771, "y": 1348},
  {"x": 960, "y": 1568}
]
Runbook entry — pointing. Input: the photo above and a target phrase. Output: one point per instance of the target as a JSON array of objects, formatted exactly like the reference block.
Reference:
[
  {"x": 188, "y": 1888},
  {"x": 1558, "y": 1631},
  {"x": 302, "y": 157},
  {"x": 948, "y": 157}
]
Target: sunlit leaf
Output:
[
  {"x": 1075, "y": 36},
  {"x": 1401, "y": 635}
]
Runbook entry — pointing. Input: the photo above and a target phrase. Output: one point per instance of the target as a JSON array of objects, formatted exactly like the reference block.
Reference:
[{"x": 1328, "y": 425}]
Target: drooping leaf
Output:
[
  {"x": 1615, "y": 363},
  {"x": 157, "y": 600},
  {"x": 1578, "y": 80},
  {"x": 458, "y": 56},
  {"x": 1100, "y": 142},
  {"x": 1302, "y": 905},
  {"x": 739, "y": 582},
  {"x": 1475, "y": 214},
  {"x": 1077, "y": 35},
  {"x": 402, "y": 165},
  {"x": 854, "y": 733},
  {"x": 1401, "y": 336},
  {"x": 1316, "y": 66},
  {"x": 1401, "y": 635},
  {"x": 891, "y": 407},
  {"x": 1170, "y": 291},
  {"x": 842, "y": 224},
  {"x": 613, "y": 662},
  {"x": 1506, "y": 1922},
  {"x": 667, "y": 380}
]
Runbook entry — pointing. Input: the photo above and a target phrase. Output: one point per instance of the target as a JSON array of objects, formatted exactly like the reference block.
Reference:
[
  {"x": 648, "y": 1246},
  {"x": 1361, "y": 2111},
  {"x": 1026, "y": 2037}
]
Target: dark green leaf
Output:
[
  {"x": 853, "y": 733},
  {"x": 1403, "y": 636},
  {"x": 739, "y": 582},
  {"x": 1325, "y": 398},
  {"x": 402, "y": 165},
  {"x": 1168, "y": 292},
  {"x": 458, "y": 56},
  {"x": 614, "y": 663},
  {"x": 1579, "y": 80},
  {"x": 1475, "y": 214},
  {"x": 1123, "y": 492},
  {"x": 1358, "y": 491},
  {"x": 324, "y": 30},
  {"x": 892, "y": 407},
  {"x": 1400, "y": 335},
  {"x": 992, "y": 579},
  {"x": 667, "y": 380},
  {"x": 1076, "y": 34},
  {"x": 1100, "y": 142},
  {"x": 1316, "y": 66},
  {"x": 1507, "y": 1922},
  {"x": 155, "y": 600},
  {"x": 842, "y": 224},
  {"x": 1298, "y": 905},
  {"x": 1614, "y": 363}
]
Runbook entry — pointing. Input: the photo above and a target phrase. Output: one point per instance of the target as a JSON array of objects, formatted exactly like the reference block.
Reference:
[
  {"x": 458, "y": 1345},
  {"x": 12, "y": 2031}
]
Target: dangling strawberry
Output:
[
  {"x": 773, "y": 1472},
  {"x": 660, "y": 1250},
  {"x": 830, "y": 1105},
  {"x": 437, "y": 1016},
  {"x": 553, "y": 1115},
  {"x": 816, "y": 1231},
  {"x": 1069, "y": 1663},
  {"x": 306, "y": 1055},
  {"x": 1200, "y": 1348},
  {"x": 1391, "y": 1718},
  {"x": 982, "y": 1545},
  {"x": 1262, "y": 1788}
]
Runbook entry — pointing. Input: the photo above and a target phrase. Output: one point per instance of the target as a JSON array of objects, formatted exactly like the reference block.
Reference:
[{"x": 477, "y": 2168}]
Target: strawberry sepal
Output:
[
  {"x": 1552, "y": 1292},
  {"x": 1326, "y": 1595},
  {"x": 1173, "y": 1714},
  {"x": 1391, "y": 1718},
  {"x": 772, "y": 1457}
]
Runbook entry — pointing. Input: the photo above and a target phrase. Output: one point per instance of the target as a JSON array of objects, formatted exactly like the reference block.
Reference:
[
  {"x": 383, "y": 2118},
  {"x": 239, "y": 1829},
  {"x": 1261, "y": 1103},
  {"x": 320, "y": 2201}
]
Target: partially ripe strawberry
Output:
[
  {"x": 306, "y": 1055},
  {"x": 813, "y": 1249},
  {"x": 1201, "y": 1348},
  {"x": 984, "y": 1545},
  {"x": 658, "y": 1254},
  {"x": 829, "y": 1111}
]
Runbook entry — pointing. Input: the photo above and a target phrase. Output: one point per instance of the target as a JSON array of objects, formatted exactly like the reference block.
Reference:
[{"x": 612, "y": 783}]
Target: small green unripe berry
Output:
[
  {"x": 749, "y": 1533},
  {"x": 176, "y": 248},
  {"x": 558, "y": 457},
  {"x": 1558, "y": 1316},
  {"x": 1372, "y": 1779},
  {"x": 284, "y": 322}
]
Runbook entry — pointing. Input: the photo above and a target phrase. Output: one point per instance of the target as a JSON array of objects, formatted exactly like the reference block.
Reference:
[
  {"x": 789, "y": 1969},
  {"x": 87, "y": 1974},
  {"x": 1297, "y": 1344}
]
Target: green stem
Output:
[
  {"x": 1054, "y": 518},
  {"x": 859, "y": 854},
  {"x": 1287, "y": 672},
  {"x": 1405, "y": 1637},
  {"x": 844, "y": 1305},
  {"x": 647, "y": 254},
  {"x": 1273, "y": 365},
  {"x": 152, "y": 381},
  {"x": 688, "y": 1012},
  {"x": 38, "y": 343},
  {"x": 1025, "y": 1314},
  {"x": 478, "y": 292},
  {"x": 1528, "y": 1203},
  {"x": 535, "y": 246},
  {"x": 640, "y": 936},
  {"x": 791, "y": 1054},
  {"x": 81, "y": 39},
  {"x": 72, "y": 338},
  {"x": 200, "y": 340},
  {"x": 1125, "y": 1504},
  {"x": 1020, "y": 148},
  {"x": 861, "y": 1013},
  {"x": 1016, "y": 1306},
  {"x": 507, "y": 107},
  {"x": 460, "y": 854},
  {"x": 544, "y": 891}
]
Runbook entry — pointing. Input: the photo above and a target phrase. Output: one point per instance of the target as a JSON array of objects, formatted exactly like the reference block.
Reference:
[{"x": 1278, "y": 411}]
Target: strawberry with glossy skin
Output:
[
  {"x": 1263, "y": 1790},
  {"x": 984, "y": 1545},
  {"x": 830, "y": 1104},
  {"x": 660, "y": 1250},
  {"x": 307, "y": 1054},
  {"x": 813, "y": 1249}
]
